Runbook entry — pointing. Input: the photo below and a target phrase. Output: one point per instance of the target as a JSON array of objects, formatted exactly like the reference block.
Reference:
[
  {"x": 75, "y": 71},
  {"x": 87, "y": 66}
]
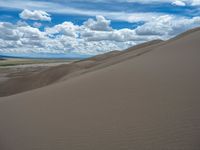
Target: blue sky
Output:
[{"x": 89, "y": 27}]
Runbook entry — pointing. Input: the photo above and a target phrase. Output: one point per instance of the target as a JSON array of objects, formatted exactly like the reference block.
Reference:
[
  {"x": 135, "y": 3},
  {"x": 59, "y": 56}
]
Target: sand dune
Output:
[
  {"x": 66, "y": 71},
  {"x": 145, "y": 98}
]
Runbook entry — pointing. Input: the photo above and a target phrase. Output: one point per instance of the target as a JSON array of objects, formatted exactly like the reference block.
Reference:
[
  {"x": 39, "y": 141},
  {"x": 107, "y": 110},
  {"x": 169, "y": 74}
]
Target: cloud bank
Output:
[{"x": 94, "y": 36}]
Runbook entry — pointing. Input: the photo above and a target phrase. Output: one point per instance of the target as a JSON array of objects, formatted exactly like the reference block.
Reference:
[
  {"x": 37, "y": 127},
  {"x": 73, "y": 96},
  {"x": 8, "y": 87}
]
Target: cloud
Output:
[
  {"x": 35, "y": 15},
  {"x": 100, "y": 24},
  {"x": 168, "y": 26},
  {"x": 94, "y": 36},
  {"x": 112, "y": 15},
  {"x": 22, "y": 23},
  {"x": 60, "y": 8},
  {"x": 20, "y": 36},
  {"x": 8, "y": 32},
  {"x": 66, "y": 28},
  {"x": 178, "y": 3},
  {"x": 122, "y": 35}
]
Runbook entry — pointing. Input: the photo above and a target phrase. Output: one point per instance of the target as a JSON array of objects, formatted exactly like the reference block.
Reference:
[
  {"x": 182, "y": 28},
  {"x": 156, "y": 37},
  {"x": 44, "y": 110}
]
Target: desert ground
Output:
[{"x": 144, "y": 98}]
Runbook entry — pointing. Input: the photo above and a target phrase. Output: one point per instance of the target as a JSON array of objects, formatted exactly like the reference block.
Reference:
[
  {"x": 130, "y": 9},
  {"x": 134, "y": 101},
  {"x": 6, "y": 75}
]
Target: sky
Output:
[{"x": 78, "y": 28}]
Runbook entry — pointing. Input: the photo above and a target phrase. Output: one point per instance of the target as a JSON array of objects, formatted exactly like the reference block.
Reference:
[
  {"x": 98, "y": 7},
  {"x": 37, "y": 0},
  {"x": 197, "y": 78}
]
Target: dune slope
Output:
[
  {"x": 52, "y": 75},
  {"x": 148, "y": 102}
]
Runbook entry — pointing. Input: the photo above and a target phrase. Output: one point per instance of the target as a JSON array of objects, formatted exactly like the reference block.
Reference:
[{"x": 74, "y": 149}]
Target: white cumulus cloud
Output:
[
  {"x": 168, "y": 26},
  {"x": 35, "y": 15},
  {"x": 178, "y": 3},
  {"x": 100, "y": 24},
  {"x": 66, "y": 28}
]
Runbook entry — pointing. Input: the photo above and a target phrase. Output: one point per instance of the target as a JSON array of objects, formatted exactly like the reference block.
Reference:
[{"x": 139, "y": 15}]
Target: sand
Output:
[
  {"x": 27, "y": 76},
  {"x": 41, "y": 76},
  {"x": 146, "y": 98}
]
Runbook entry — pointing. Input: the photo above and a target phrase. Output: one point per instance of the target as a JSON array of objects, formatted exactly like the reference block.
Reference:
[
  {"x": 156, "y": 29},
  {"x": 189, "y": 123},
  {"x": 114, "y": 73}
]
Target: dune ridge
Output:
[
  {"x": 142, "y": 99},
  {"x": 66, "y": 71}
]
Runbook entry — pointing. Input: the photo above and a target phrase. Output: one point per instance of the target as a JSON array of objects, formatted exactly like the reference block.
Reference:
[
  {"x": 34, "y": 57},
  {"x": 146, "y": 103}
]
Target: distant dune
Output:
[{"x": 144, "y": 98}]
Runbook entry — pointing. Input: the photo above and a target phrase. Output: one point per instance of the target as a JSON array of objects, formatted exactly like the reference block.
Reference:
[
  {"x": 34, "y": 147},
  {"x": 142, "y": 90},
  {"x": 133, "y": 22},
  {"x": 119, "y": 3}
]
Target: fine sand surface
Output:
[{"x": 145, "y": 98}]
